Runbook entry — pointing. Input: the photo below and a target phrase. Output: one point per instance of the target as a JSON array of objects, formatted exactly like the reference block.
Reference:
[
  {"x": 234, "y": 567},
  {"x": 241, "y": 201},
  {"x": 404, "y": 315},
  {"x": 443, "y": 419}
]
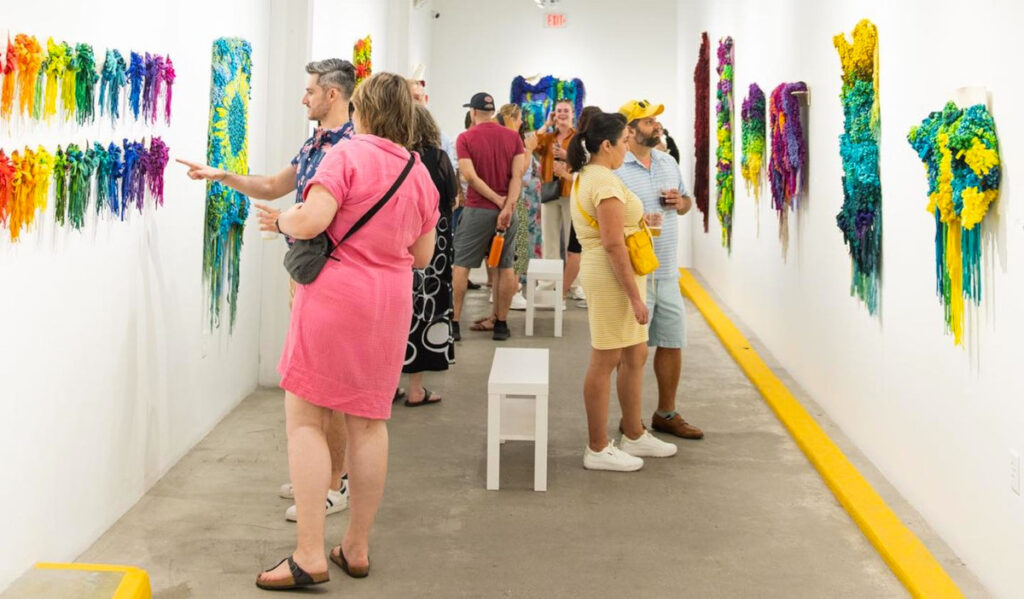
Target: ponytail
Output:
[
  {"x": 576, "y": 155},
  {"x": 599, "y": 128}
]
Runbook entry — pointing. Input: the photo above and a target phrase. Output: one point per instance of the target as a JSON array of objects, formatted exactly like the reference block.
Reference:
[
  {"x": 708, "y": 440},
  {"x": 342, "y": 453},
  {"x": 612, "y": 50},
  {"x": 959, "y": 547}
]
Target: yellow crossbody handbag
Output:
[{"x": 640, "y": 245}]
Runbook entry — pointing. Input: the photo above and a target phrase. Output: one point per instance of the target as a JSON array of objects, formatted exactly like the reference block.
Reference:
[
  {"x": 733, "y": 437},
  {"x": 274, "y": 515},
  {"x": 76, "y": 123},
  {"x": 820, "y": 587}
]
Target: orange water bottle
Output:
[{"x": 496, "y": 246}]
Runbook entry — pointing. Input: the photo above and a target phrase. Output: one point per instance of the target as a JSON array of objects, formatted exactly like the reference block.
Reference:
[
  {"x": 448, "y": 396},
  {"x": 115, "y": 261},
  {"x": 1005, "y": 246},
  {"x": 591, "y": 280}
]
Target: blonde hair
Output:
[
  {"x": 385, "y": 107},
  {"x": 507, "y": 112}
]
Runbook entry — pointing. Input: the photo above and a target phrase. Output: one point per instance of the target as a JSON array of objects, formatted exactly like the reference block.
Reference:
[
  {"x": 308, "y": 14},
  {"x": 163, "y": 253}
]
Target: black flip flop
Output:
[
  {"x": 424, "y": 402},
  {"x": 343, "y": 563},
  {"x": 399, "y": 396},
  {"x": 300, "y": 578}
]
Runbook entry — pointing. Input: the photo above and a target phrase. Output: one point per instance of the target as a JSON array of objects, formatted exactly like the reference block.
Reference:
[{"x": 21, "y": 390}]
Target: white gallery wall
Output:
[
  {"x": 108, "y": 374},
  {"x": 619, "y": 54},
  {"x": 401, "y": 39},
  {"x": 939, "y": 421}
]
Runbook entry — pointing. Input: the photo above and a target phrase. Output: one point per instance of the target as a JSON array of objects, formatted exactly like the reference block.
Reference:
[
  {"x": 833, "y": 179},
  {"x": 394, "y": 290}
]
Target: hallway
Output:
[{"x": 739, "y": 514}]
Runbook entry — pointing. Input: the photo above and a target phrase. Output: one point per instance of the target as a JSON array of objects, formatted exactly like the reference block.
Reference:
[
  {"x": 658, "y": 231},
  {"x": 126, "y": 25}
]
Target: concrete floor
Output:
[{"x": 740, "y": 514}]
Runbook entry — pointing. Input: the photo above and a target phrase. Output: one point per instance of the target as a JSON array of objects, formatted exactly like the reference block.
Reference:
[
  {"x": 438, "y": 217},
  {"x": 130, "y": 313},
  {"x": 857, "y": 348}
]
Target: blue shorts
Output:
[{"x": 668, "y": 314}]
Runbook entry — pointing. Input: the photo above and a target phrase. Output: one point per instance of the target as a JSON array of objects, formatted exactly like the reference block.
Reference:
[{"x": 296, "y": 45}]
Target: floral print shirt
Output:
[{"x": 313, "y": 151}]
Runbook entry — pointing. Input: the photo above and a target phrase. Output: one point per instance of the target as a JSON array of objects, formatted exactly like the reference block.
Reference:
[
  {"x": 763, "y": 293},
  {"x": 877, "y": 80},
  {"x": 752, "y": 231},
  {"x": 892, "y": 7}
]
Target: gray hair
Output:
[{"x": 334, "y": 72}]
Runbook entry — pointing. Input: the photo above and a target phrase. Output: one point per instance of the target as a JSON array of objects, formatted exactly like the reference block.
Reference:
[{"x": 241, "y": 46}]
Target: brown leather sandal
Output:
[
  {"x": 339, "y": 559},
  {"x": 484, "y": 324},
  {"x": 299, "y": 578}
]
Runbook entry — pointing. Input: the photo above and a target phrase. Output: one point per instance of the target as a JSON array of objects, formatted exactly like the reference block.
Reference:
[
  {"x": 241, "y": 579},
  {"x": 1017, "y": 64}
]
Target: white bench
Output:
[
  {"x": 517, "y": 409},
  {"x": 540, "y": 271}
]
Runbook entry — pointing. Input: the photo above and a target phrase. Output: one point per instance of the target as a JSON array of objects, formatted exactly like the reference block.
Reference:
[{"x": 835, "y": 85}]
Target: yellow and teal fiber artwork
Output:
[{"x": 228, "y": 149}]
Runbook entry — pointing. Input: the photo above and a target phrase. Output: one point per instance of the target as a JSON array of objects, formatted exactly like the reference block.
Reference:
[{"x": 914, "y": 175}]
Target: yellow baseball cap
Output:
[{"x": 640, "y": 109}]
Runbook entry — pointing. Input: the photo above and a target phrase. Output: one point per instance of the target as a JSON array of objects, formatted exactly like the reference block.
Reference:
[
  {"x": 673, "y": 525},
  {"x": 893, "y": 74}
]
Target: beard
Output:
[{"x": 649, "y": 141}]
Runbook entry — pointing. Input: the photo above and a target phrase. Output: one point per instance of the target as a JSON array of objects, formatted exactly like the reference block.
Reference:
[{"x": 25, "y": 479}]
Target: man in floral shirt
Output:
[{"x": 328, "y": 90}]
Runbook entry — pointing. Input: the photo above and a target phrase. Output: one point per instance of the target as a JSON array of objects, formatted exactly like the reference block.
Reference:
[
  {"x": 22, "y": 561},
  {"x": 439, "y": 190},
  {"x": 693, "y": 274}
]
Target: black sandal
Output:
[
  {"x": 343, "y": 563},
  {"x": 399, "y": 395},
  {"x": 299, "y": 578},
  {"x": 423, "y": 402}
]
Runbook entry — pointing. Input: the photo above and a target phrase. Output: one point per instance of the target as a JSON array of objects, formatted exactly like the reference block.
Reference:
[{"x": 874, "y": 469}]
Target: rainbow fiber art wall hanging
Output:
[
  {"x": 860, "y": 219},
  {"x": 537, "y": 100},
  {"x": 724, "y": 176},
  {"x": 960, "y": 153},
  {"x": 62, "y": 80},
  {"x": 111, "y": 178},
  {"x": 361, "y": 58},
  {"x": 228, "y": 149},
  {"x": 789, "y": 154},
  {"x": 701, "y": 137},
  {"x": 753, "y": 114}
]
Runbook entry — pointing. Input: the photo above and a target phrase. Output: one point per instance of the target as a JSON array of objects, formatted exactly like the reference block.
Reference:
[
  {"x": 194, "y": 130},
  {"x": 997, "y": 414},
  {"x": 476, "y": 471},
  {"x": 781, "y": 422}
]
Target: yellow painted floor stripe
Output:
[
  {"x": 134, "y": 584},
  {"x": 909, "y": 559}
]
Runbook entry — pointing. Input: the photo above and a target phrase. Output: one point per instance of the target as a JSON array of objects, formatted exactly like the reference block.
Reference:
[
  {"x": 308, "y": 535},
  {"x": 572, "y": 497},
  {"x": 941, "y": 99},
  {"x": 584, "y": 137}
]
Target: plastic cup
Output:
[{"x": 654, "y": 222}]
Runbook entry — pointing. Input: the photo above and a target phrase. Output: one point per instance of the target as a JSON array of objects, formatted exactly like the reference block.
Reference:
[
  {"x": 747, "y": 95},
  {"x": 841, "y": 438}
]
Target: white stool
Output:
[
  {"x": 517, "y": 409},
  {"x": 543, "y": 270}
]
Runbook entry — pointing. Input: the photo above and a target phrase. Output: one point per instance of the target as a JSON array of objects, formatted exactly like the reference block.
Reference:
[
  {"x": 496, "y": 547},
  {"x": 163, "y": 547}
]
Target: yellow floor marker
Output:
[
  {"x": 134, "y": 581},
  {"x": 909, "y": 559}
]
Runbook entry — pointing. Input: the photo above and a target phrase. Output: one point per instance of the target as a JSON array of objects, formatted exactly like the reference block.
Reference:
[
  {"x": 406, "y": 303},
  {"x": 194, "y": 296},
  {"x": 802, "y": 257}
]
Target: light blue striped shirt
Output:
[{"x": 647, "y": 185}]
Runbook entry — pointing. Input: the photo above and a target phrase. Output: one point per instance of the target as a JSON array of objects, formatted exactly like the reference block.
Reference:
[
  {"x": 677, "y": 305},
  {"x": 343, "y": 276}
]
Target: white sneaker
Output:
[
  {"x": 337, "y": 501},
  {"x": 518, "y": 302},
  {"x": 647, "y": 446},
  {"x": 582, "y": 304},
  {"x": 286, "y": 491},
  {"x": 611, "y": 458},
  {"x": 576, "y": 293}
]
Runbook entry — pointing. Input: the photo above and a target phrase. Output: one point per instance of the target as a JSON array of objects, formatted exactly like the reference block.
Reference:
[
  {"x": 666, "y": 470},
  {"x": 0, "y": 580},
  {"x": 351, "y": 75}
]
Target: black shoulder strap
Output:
[{"x": 376, "y": 207}]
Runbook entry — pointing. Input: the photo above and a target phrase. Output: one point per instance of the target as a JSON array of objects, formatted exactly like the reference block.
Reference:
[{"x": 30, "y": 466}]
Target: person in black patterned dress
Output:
[{"x": 431, "y": 347}]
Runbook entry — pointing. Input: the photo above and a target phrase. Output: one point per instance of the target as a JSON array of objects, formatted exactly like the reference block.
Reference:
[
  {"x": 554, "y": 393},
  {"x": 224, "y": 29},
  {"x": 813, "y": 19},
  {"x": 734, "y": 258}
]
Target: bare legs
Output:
[
  {"x": 597, "y": 391},
  {"x": 572, "y": 270},
  {"x": 368, "y": 467},
  {"x": 309, "y": 459},
  {"x": 668, "y": 363}
]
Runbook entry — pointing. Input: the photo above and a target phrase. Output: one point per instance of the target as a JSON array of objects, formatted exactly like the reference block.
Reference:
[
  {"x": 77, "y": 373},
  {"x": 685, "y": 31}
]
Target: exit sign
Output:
[{"x": 554, "y": 19}]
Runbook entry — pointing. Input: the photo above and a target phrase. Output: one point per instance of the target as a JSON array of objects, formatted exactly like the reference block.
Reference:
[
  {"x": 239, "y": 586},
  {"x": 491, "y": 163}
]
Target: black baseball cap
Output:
[{"x": 481, "y": 101}]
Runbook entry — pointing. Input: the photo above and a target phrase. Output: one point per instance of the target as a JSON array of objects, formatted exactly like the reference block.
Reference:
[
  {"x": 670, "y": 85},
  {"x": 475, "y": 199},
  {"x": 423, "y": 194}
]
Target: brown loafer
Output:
[
  {"x": 352, "y": 571},
  {"x": 298, "y": 579},
  {"x": 676, "y": 426}
]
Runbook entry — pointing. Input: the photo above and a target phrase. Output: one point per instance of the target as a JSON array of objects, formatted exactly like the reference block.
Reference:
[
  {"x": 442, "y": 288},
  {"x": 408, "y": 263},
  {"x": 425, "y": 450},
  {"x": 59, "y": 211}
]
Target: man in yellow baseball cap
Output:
[
  {"x": 635, "y": 110},
  {"x": 654, "y": 177}
]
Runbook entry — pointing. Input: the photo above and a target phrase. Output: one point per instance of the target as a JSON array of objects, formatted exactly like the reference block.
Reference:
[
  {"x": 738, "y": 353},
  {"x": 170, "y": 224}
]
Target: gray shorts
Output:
[{"x": 474, "y": 235}]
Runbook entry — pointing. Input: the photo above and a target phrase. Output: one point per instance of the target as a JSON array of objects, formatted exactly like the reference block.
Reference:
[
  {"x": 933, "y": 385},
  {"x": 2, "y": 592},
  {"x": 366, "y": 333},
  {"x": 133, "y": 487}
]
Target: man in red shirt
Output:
[{"x": 492, "y": 159}]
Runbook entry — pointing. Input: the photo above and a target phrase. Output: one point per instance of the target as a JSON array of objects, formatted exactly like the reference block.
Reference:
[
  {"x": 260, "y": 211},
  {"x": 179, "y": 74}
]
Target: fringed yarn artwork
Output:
[
  {"x": 37, "y": 83},
  {"x": 28, "y": 56},
  {"x": 701, "y": 135},
  {"x": 960, "y": 152},
  {"x": 789, "y": 154},
  {"x": 538, "y": 100},
  {"x": 754, "y": 129},
  {"x": 113, "y": 78},
  {"x": 79, "y": 177},
  {"x": 860, "y": 219},
  {"x": 228, "y": 149},
  {"x": 7, "y": 87},
  {"x": 724, "y": 175},
  {"x": 361, "y": 52}
]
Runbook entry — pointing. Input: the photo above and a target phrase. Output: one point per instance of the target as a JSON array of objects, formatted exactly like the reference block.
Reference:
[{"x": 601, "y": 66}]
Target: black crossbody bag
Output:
[{"x": 307, "y": 257}]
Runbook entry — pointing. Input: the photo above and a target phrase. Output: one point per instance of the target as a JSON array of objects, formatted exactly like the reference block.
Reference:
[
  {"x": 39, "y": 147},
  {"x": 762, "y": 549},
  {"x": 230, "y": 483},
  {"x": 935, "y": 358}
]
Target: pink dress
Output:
[{"x": 349, "y": 327}]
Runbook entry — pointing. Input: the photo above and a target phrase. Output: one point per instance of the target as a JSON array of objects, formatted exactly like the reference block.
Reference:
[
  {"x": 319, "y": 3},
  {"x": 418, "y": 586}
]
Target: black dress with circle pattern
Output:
[{"x": 430, "y": 346}]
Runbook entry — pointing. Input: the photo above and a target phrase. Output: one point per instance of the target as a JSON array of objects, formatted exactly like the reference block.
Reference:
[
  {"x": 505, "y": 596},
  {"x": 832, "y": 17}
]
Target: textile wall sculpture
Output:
[
  {"x": 960, "y": 153},
  {"x": 789, "y": 154},
  {"x": 361, "y": 59},
  {"x": 754, "y": 126},
  {"x": 538, "y": 100},
  {"x": 110, "y": 178},
  {"x": 227, "y": 148},
  {"x": 63, "y": 78},
  {"x": 724, "y": 176},
  {"x": 701, "y": 140},
  {"x": 861, "y": 217}
]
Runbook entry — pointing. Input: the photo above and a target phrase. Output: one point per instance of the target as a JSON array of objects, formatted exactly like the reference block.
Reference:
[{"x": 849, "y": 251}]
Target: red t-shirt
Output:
[{"x": 491, "y": 147}]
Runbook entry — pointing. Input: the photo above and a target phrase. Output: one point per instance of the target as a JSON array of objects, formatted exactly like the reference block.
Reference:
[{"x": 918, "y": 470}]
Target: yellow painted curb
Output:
[
  {"x": 134, "y": 583},
  {"x": 909, "y": 559}
]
